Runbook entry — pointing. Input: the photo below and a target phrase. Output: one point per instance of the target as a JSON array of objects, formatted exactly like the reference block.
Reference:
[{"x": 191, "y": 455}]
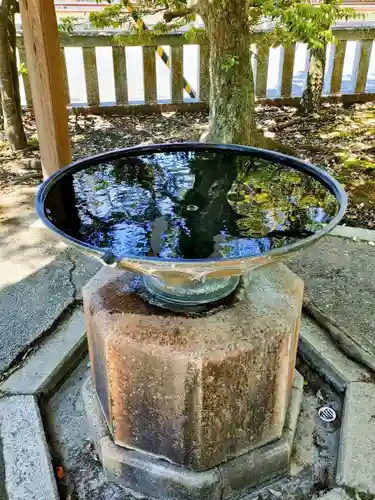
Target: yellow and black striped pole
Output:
[{"x": 160, "y": 51}]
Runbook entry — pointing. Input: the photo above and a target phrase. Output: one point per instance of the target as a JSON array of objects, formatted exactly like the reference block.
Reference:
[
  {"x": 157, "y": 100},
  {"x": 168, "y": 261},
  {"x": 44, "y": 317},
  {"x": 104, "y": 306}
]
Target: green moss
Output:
[{"x": 359, "y": 165}]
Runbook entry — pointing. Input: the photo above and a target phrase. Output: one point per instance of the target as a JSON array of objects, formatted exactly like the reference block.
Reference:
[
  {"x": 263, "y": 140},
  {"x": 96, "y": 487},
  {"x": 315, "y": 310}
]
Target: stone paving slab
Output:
[
  {"x": 30, "y": 307},
  {"x": 339, "y": 276},
  {"x": 354, "y": 232},
  {"x": 24, "y": 455},
  {"x": 318, "y": 348},
  {"x": 337, "y": 494},
  {"x": 42, "y": 371},
  {"x": 356, "y": 461}
]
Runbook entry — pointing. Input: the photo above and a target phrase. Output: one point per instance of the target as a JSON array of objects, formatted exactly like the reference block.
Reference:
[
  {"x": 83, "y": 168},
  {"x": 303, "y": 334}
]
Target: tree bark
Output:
[
  {"x": 232, "y": 99},
  {"x": 9, "y": 85},
  {"x": 231, "y": 78},
  {"x": 311, "y": 100}
]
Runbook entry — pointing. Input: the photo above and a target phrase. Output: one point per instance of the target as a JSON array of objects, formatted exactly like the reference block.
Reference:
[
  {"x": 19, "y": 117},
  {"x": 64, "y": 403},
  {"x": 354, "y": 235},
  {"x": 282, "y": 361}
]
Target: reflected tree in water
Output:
[{"x": 192, "y": 205}]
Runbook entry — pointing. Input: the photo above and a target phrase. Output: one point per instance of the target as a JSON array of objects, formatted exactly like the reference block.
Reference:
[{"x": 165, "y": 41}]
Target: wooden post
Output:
[
  {"x": 338, "y": 66},
  {"x": 262, "y": 70},
  {"x": 119, "y": 71},
  {"x": 204, "y": 65},
  {"x": 288, "y": 67},
  {"x": 177, "y": 74},
  {"x": 364, "y": 63},
  {"x": 149, "y": 68},
  {"x": 91, "y": 76},
  {"x": 44, "y": 65}
]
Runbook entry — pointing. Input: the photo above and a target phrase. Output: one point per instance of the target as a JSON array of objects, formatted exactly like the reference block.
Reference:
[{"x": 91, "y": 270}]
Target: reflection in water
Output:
[{"x": 192, "y": 205}]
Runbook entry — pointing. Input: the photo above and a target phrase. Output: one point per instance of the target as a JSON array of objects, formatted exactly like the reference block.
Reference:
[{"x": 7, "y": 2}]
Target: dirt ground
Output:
[{"x": 342, "y": 140}]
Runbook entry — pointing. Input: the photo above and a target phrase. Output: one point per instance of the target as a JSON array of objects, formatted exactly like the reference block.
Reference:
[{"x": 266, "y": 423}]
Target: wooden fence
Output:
[{"x": 88, "y": 41}]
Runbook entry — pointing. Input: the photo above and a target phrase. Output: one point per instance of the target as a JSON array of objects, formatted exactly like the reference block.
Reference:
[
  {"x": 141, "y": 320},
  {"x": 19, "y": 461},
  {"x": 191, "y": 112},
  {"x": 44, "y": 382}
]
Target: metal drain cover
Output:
[{"x": 327, "y": 414}]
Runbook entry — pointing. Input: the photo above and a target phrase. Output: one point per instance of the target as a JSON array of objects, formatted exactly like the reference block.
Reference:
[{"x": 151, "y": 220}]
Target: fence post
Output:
[
  {"x": 91, "y": 76},
  {"x": 288, "y": 67},
  {"x": 338, "y": 65},
  {"x": 177, "y": 74},
  {"x": 262, "y": 70},
  {"x": 149, "y": 68},
  {"x": 204, "y": 68},
  {"x": 364, "y": 63},
  {"x": 119, "y": 70}
]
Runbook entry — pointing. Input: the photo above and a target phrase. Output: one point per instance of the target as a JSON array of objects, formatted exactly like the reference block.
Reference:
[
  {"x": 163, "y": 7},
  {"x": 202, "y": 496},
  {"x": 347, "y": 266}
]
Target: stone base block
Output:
[
  {"x": 356, "y": 460},
  {"x": 198, "y": 390},
  {"x": 157, "y": 478}
]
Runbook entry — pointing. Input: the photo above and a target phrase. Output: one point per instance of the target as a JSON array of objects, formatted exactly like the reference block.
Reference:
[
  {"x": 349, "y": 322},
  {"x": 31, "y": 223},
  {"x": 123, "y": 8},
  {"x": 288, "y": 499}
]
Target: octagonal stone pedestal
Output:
[
  {"x": 158, "y": 479},
  {"x": 197, "y": 391}
]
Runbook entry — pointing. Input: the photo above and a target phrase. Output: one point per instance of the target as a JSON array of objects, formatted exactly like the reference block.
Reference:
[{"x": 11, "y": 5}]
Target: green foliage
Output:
[
  {"x": 112, "y": 15},
  {"x": 67, "y": 24},
  {"x": 22, "y": 70},
  {"x": 125, "y": 13},
  {"x": 298, "y": 21},
  {"x": 195, "y": 35},
  {"x": 265, "y": 195},
  {"x": 295, "y": 20},
  {"x": 229, "y": 62}
]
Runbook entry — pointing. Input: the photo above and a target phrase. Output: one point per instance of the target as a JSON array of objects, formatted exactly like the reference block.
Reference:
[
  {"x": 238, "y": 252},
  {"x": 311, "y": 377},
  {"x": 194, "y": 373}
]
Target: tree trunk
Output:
[
  {"x": 311, "y": 100},
  {"x": 232, "y": 100},
  {"x": 9, "y": 85},
  {"x": 231, "y": 77}
]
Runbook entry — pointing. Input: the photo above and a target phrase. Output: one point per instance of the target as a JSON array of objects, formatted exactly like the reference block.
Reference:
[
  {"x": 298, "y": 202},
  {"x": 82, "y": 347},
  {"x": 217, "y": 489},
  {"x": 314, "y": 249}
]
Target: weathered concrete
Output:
[
  {"x": 336, "y": 494},
  {"x": 356, "y": 462},
  {"x": 319, "y": 350},
  {"x": 232, "y": 372},
  {"x": 26, "y": 460},
  {"x": 159, "y": 479},
  {"x": 294, "y": 407},
  {"x": 254, "y": 469},
  {"x": 31, "y": 306},
  {"x": 354, "y": 232},
  {"x": 95, "y": 421},
  {"x": 339, "y": 277},
  {"x": 39, "y": 276},
  {"x": 64, "y": 416},
  {"x": 44, "y": 370},
  {"x": 143, "y": 472}
]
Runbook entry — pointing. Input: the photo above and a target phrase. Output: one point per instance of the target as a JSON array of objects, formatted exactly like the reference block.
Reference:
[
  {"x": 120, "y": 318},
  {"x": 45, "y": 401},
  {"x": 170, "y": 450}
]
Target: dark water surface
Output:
[{"x": 191, "y": 205}]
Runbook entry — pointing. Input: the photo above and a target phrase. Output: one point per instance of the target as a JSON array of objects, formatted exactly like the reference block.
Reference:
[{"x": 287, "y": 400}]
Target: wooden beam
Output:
[
  {"x": 44, "y": 65},
  {"x": 192, "y": 107}
]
